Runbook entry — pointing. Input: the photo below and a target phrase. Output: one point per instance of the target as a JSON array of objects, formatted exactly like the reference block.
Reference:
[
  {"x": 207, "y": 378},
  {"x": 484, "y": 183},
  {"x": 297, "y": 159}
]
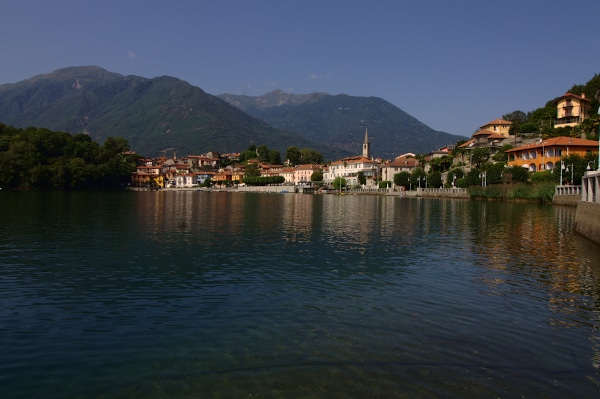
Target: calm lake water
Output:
[{"x": 231, "y": 295}]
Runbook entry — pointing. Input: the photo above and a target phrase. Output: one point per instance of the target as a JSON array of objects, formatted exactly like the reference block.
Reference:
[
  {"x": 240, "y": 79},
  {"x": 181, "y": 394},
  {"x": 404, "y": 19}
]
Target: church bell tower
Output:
[{"x": 366, "y": 145}]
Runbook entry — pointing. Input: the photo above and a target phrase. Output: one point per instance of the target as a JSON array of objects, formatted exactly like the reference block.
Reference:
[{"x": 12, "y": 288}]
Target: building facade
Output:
[
  {"x": 571, "y": 110},
  {"x": 547, "y": 154}
]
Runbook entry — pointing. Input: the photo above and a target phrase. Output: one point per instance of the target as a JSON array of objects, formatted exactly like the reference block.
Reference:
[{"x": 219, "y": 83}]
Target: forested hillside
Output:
[
  {"x": 35, "y": 158},
  {"x": 154, "y": 115},
  {"x": 341, "y": 121}
]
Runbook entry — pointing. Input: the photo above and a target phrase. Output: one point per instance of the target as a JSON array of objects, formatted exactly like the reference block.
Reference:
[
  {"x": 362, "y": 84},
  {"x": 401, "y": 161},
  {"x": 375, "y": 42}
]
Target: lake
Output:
[{"x": 229, "y": 295}]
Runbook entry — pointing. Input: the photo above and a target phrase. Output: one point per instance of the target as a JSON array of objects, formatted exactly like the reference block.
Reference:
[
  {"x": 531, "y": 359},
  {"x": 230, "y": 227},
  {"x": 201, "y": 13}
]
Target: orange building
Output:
[{"x": 546, "y": 154}]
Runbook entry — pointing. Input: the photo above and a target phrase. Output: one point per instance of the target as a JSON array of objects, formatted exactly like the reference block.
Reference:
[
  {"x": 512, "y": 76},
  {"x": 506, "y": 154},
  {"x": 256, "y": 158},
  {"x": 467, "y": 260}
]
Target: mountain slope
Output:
[
  {"x": 341, "y": 120},
  {"x": 152, "y": 114}
]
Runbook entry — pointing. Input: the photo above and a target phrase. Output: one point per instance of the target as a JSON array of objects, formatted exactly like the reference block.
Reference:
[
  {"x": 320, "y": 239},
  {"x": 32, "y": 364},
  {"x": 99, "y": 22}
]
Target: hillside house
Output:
[
  {"x": 498, "y": 126},
  {"x": 571, "y": 110}
]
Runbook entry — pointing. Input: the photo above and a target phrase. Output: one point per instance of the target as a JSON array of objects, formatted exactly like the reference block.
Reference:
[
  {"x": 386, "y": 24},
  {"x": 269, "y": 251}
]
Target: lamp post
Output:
[
  {"x": 562, "y": 166},
  {"x": 589, "y": 167},
  {"x": 567, "y": 170},
  {"x": 482, "y": 176}
]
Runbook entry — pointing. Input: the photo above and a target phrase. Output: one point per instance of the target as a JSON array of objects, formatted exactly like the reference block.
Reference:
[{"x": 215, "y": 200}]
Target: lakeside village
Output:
[{"x": 364, "y": 173}]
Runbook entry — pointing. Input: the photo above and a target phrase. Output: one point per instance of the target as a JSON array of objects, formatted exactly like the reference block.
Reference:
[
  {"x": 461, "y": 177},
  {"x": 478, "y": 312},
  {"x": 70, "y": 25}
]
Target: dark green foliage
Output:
[
  {"x": 316, "y": 176},
  {"x": 453, "y": 176},
  {"x": 417, "y": 178},
  {"x": 529, "y": 127},
  {"x": 263, "y": 180},
  {"x": 402, "y": 179},
  {"x": 263, "y": 153},
  {"x": 576, "y": 166},
  {"x": 247, "y": 155},
  {"x": 293, "y": 155},
  {"x": 251, "y": 170},
  {"x": 41, "y": 159},
  {"x": 339, "y": 183},
  {"x": 515, "y": 174},
  {"x": 544, "y": 177},
  {"x": 480, "y": 156},
  {"x": 494, "y": 172},
  {"x": 473, "y": 178},
  {"x": 274, "y": 157},
  {"x": 435, "y": 179},
  {"x": 308, "y": 156},
  {"x": 362, "y": 180},
  {"x": 501, "y": 156},
  {"x": 541, "y": 192}
]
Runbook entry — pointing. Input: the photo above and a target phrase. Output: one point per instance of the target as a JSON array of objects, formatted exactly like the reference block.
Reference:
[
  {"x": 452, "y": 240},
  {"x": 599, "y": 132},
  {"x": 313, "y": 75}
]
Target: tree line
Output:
[{"x": 38, "y": 158}]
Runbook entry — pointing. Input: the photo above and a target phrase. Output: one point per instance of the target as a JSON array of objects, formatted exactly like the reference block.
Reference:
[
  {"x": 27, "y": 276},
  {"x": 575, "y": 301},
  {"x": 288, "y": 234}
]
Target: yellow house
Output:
[
  {"x": 571, "y": 110},
  {"x": 498, "y": 126},
  {"x": 546, "y": 154},
  {"x": 146, "y": 176}
]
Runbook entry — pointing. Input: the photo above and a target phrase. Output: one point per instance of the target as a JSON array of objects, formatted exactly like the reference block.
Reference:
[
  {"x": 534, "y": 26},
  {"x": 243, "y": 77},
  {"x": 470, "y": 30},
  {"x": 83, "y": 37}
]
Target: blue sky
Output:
[{"x": 454, "y": 65}]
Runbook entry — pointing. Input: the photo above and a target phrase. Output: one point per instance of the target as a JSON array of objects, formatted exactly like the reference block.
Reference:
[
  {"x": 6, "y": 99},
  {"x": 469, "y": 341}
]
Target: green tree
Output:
[
  {"x": 515, "y": 174},
  {"x": 517, "y": 118},
  {"x": 480, "y": 156},
  {"x": 402, "y": 179},
  {"x": 247, "y": 155},
  {"x": 252, "y": 170},
  {"x": 417, "y": 178},
  {"x": 529, "y": 127},
  {"x": 435, "y": 179},
  {"x": 339, "y": 183},
  {"x": 263, "y": 153},
  {"x": 453, "y": 176},
  {"x": 362, "y": 180},
  {"x": 293, "y": 155},
  {"x": 310, "y": 156},
  {"x": 316, "y": 176},
  {"x": 274, "y": 157},
  {"x": 501, "y": 155},
  {"x": 494, "y": 173}
]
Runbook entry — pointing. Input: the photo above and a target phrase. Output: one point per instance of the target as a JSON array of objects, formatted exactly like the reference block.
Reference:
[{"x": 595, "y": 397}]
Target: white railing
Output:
[
  {"x": 567, "y": 190},
  {"x": 591, "y": 187}
]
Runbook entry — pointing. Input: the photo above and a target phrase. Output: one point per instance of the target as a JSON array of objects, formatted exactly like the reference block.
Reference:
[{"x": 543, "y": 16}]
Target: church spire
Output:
[{"x": 366, "y": 145}]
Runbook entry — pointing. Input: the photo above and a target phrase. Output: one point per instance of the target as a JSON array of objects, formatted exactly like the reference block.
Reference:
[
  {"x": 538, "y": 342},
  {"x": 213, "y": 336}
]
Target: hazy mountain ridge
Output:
[
  {"x": 340, "y": 121},
  {"x": 152, "y": 114},
  {"x": 166, "y": 113}
]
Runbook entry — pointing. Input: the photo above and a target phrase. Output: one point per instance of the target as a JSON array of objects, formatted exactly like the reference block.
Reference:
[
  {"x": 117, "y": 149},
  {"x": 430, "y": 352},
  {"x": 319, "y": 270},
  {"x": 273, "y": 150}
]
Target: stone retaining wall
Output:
[
  {"x": 566, "y": 200},
  {"x": 587, "y": 220}
]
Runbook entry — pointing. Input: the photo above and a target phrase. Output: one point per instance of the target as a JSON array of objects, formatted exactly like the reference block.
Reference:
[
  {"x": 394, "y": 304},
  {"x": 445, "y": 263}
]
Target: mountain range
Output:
[
  {"x": 165, "y": 114},
  {"x": 341, "y": 121}
]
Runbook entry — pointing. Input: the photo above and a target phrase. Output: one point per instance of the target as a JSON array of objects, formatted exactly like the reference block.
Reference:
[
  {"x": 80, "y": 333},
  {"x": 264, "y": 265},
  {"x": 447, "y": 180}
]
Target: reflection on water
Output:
[{"x": 195, "y": 294}]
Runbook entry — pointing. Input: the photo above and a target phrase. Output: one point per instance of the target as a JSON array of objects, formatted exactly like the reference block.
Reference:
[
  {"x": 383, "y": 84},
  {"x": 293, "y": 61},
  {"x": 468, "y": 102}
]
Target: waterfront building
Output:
[
  {"x": 288, "y": 174},
  {"x": 303, "y": 173},
  {"x": 546, "y": 154},
  {"x": 403, "y": 163},
  {"x": 349, "y": 168},
  {"x": 148, "y": 176}
]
